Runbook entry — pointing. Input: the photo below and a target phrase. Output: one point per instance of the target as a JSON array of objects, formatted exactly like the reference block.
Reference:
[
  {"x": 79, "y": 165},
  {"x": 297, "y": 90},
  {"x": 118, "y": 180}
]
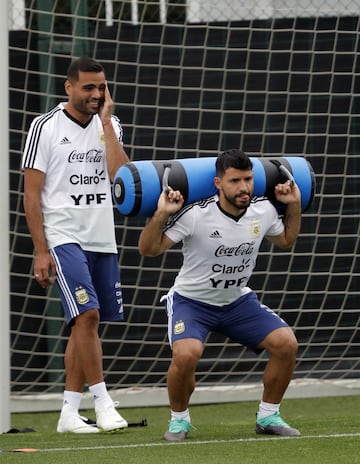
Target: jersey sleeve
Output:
[
  {"x": 117, "y": 128},
  {"x": 277, "y": 225},
  {"x": 36, "y": 146},
  {"x": 180, "y": 226}
]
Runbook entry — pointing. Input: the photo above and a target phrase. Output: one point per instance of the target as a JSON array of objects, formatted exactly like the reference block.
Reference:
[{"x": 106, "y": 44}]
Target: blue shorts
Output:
[
  {"x": 88, "y": 280},
  {"x": 245, "y": 321}
]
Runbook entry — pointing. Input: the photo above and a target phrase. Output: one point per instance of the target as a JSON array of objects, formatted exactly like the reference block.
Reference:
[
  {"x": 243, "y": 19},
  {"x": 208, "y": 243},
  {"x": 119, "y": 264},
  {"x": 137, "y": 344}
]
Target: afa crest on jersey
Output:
[{"x": 255, "y": 228}]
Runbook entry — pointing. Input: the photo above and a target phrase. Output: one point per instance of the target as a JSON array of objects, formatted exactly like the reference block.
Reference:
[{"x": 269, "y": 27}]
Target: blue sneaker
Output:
[
  {"x": 178, "y": 430},
  {"x": 275, "y": 425}
]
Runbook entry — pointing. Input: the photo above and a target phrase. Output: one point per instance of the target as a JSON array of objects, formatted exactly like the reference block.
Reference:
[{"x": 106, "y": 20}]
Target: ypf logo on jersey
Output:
[
  {"x": 81, "y": 295},
  {"x": 179, "y": 327}
]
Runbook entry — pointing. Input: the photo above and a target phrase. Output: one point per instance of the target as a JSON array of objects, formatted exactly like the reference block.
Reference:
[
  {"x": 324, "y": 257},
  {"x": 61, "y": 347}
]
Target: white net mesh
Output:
[{"x": 191, "y": 79}]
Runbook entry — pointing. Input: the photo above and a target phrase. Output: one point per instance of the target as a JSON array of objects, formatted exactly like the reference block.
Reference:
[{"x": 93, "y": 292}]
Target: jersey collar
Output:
[
  {"x": 231, "y": 216},
  {"x": 76, "y": 121}
]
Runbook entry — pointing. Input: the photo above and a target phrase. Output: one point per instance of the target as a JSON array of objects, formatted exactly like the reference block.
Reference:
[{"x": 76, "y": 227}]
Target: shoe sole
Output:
[
  {"x": 277, "y": 430},
  {"x": 172, "y": 436},
  {"x": 81, "y": 430},
  {"x": 116, "y": 430}
]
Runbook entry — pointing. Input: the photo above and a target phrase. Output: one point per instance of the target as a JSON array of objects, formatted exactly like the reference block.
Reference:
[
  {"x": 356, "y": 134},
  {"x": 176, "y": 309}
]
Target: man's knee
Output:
[
  {"x": 281, "y": 342},
  {"x": 186, "y": 353},
  {"x": 88, "y": 319}
]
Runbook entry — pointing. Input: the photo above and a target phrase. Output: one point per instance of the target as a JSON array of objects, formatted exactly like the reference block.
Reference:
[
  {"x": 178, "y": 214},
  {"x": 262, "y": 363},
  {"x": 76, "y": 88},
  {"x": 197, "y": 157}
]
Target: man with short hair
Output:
[
  {"x": 71, "y": 156},
  {"x": 221, "y": 237}
]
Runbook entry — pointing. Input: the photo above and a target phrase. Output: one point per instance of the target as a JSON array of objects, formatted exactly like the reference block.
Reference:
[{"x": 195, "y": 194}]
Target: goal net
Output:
[{"x": 190, "y": 79}]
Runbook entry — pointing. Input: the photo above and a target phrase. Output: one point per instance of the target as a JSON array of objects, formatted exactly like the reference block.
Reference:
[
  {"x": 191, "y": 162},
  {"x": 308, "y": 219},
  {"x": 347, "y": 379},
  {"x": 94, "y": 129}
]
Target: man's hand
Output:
[
  {"x": 287, "y": 193},
  {"x": 106, "y": 109},
  {"x": 44, "y": 269},
  {"x": 170, "y": 202}
]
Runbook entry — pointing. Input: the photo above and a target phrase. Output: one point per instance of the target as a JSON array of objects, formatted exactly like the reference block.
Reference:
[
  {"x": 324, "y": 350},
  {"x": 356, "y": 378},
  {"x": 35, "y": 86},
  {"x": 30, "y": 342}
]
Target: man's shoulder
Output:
[
  {"x": 48, "y": 117},
  {"x": 261, "y": 202},
  {"x": 192, "y": 210},
  {"x": 259, "y": 199},
  {"x": 202, "y": 205},
  {"x": 262, "y": 206}
]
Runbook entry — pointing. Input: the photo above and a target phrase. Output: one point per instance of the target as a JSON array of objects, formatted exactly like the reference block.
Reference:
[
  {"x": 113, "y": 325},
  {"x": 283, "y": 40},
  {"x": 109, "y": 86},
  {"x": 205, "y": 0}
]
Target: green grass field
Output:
[{"x": 224, "y": 434}]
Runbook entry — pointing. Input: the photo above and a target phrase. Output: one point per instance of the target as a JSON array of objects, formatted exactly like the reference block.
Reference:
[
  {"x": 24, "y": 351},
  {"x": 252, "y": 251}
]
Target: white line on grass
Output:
[{"x": 202, "y": 442}]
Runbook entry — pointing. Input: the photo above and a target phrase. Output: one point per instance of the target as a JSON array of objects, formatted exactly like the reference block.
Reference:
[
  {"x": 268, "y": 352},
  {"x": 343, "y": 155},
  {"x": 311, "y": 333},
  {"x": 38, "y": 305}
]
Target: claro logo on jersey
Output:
[{"x": 81, "y": 179}]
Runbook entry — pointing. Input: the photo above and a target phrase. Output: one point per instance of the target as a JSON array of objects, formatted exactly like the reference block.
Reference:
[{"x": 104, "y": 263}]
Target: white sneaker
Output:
[
  {"x": 108, "y": 419},
  {"x": 73, "y": 423}
]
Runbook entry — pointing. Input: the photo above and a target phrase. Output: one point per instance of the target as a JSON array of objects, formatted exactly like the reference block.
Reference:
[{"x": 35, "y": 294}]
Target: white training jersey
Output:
[
  {"x": 219, "y": 253},
  {"x": 76, "y": 198}
]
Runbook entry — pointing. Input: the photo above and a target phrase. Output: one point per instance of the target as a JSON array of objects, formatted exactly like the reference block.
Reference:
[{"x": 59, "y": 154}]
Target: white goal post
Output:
[
  {"x": 191, "y": 78},
  {"x": 4, "y": 234}
]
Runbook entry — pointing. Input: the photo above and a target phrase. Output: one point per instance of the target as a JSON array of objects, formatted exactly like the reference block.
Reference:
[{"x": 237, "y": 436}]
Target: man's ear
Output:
[
  {"x": 217, "y": 182},
  {"x": 67, "y": 87}
]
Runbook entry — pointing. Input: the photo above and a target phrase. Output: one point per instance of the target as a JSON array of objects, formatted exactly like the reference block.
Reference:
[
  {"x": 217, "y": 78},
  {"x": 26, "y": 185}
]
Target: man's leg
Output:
[
  {"x": 181, "y": 384},
  {"x": 83, "y": 362},
  {"x": 282, "y": 347},
  {"x": 82, "y": 355},
  {"x": 186, "y": 354}
]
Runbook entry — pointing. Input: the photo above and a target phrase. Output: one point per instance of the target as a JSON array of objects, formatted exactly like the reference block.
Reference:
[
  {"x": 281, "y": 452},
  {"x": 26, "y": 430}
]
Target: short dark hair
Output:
[
  {"x": 83, "y": 64},
  {"x": 234, "y": 158}
]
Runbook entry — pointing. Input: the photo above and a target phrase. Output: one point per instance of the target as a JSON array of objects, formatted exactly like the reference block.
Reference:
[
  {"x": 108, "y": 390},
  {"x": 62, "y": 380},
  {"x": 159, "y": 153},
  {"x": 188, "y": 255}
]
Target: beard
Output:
[
  {"x": 237, "y": 201},
  {"x": 87, "y": 107}
]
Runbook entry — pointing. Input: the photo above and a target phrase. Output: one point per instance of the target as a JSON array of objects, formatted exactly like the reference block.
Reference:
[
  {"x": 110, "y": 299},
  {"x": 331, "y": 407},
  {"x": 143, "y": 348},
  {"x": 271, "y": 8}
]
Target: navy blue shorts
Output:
[
  {"x": 245, "y": 321},
  {"x": 88, "y": 280}
]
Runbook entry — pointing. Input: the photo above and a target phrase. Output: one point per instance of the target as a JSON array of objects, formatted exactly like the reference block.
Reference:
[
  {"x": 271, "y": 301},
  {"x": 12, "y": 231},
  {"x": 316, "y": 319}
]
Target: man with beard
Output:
[
  {"x": 220, "y": 237},
  {"x": 71, "y": 156}
]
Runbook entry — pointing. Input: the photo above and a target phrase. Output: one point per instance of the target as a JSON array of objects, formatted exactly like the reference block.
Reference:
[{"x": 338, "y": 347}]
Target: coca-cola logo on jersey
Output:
[
  {"x": 91, "y": 156},
  {"x": 242, "y": 249}
]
